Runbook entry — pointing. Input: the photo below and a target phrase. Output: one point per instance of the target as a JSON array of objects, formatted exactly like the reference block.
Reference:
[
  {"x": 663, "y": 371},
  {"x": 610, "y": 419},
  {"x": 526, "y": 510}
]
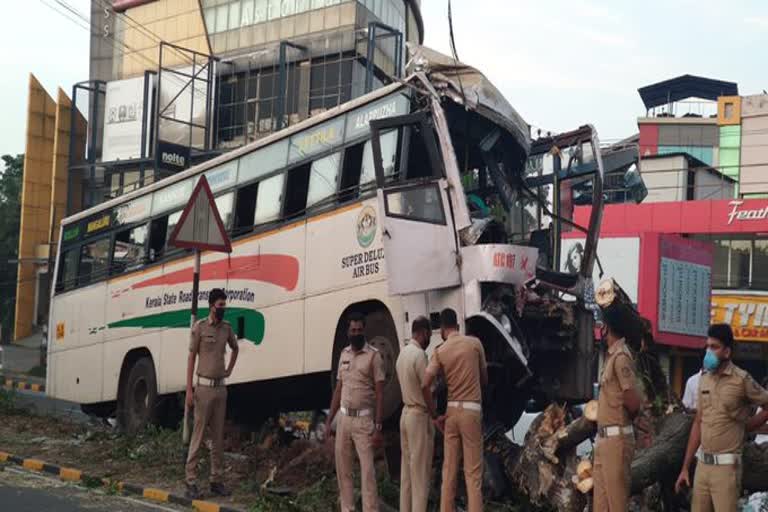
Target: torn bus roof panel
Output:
[{"x": 467, "y": 86}]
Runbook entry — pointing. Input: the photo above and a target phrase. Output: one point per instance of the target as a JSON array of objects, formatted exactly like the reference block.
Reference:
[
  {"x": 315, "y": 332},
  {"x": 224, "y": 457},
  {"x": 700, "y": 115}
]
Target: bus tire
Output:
[
  {"x": 382, "y": 335},
  {"x": 137, "y": 403}
]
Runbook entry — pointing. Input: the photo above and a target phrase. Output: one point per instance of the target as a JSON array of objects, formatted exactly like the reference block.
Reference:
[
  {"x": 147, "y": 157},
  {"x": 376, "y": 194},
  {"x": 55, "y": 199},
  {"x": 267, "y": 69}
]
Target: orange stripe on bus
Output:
[{"x": 242, "y": 241}]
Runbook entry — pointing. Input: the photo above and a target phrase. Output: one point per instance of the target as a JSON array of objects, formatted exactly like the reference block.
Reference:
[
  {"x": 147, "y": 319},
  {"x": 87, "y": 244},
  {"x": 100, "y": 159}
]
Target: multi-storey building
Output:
[{"x": 175, "y": 82}]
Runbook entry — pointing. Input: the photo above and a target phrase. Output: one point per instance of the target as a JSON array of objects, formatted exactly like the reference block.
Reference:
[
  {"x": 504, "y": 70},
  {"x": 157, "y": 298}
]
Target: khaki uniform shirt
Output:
[
  {"x": 358, "y": 373},
  {"x": 618, "y": 376},
  {"x": 725, "y": 401},
  {"x": 411, "y": 365},
  {"x": 462, "y": 361},
  {"x": 209, "y": 342}
]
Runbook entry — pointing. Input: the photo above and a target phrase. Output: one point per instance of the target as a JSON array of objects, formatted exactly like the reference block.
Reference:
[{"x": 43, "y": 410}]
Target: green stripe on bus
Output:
[{"x": 253, "y": 321}]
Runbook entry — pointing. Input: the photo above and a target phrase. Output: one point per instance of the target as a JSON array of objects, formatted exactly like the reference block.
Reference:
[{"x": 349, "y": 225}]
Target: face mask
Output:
[
  {"x": 357, "y": 341},
  {"x": 219, "y": 313},
  {"x": 711, "y": 361}
]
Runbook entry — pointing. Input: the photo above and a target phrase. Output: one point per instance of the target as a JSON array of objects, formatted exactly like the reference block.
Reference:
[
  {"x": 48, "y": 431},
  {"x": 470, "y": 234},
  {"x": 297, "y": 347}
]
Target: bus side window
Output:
[
  {"x": 388, "y": 156},
  {"x": 94, "y": 262},
  {"x": 67, "y": 278},
  {"x": 245, "y": 209},
  {"x": 129, "y": 250},
  {"x": 225, "y": 205},
  {"x": 269, "y": 199},
  {"x": 323, "y": 180},
  {"x": 173, "y": 219},
  {"x": 157, "y": 235},
  {"x": 296, "y": 190},
  {"x": 350, "y": 173},
  {"x": 419, "y": 165}
]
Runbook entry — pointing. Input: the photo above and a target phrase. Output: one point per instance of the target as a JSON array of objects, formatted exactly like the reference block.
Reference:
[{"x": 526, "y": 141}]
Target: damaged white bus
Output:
[{"x": 405, "y": 201}]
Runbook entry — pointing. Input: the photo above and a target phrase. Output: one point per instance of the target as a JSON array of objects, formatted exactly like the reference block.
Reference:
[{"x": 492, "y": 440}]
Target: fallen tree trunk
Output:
[
  {"x": 663, "y": 459},
  {"x": 546, "y": 470},
  {"x": 755, "y": 476}
]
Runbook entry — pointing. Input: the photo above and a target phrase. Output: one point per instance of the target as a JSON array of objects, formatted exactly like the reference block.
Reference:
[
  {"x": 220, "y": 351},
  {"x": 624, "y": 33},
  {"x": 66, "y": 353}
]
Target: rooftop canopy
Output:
[{"x": 685, "y": 86}]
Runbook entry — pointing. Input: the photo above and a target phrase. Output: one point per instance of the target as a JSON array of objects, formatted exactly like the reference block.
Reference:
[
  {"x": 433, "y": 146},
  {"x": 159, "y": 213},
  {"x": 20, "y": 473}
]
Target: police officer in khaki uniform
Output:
[
  {"x": 209, "y": 340},
  {"x": 618, "y": 403},
  {"x": 417, "y": 433},
  {"x": 461, "y": 359},
  {"x": 359, "y": 399},
  {"x": 726, "y": 396}
]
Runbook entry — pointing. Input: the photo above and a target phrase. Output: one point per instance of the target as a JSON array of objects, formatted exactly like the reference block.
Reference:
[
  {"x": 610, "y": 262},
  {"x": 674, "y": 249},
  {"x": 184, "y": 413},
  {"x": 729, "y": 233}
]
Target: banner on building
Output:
[
  {"x": 746, "y": 314},
  {"x": 123, "y": 116}
]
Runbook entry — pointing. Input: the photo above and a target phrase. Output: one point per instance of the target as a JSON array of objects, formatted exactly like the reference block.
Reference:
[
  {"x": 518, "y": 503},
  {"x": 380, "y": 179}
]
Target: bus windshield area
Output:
[{"x": 518, "y": 195}]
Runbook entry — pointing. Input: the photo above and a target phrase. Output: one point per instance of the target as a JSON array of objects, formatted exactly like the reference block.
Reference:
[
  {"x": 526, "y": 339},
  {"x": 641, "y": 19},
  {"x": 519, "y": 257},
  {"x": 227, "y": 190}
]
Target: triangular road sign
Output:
[{"x": 200, "y": 225}]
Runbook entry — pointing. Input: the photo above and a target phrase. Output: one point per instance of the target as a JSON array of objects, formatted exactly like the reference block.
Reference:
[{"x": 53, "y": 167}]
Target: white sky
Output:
[{"x": 560, "y": 63}]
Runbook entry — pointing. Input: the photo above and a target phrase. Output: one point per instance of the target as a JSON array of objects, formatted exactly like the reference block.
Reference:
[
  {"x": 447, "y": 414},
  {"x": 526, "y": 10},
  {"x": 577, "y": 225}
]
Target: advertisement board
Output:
[
  {"x": 123, "y": 115},
  {"x": 746, "y": 314},
  {"x": 619, "y": 257}
]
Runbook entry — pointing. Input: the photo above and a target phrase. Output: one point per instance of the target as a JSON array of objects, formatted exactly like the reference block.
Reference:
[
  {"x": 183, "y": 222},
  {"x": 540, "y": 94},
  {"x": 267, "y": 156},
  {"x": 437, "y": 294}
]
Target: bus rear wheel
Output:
[{"x": 136, "y": 406}]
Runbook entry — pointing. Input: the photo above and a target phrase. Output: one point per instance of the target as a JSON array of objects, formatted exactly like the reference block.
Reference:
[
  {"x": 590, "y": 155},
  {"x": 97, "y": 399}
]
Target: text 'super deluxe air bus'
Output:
[{"x": 405, "y": 201}]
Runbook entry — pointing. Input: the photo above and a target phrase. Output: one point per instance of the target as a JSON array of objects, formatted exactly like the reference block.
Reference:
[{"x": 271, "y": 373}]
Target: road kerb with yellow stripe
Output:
[{"x": 150, "y": 493}]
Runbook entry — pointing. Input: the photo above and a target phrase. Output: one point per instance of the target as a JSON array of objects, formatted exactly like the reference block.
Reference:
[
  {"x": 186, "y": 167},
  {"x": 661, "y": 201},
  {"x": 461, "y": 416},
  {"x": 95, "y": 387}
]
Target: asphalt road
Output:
[{"x": 22, "y": 491}]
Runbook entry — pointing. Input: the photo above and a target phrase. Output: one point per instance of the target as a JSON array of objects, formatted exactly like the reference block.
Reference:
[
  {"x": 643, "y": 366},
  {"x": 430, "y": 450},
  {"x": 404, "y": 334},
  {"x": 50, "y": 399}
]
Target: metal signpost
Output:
[{"x": 200, "y": 228}]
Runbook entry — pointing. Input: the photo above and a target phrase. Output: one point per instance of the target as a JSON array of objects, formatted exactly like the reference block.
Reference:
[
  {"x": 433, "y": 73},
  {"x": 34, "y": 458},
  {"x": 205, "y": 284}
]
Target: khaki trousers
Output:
[
  {"x": 354, "y": 434},
  {"x": 417, "y": 445},
  {"x": 716, "y": 488},
  {"x": 613, "y": 459},
  {"x": 210, "y": 411},
  {"x": 463, "y": 436}
]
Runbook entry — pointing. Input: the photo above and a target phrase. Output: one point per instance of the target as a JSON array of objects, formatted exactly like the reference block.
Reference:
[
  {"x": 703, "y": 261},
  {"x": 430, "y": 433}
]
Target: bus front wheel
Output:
[{"x": 138, "y": 397}]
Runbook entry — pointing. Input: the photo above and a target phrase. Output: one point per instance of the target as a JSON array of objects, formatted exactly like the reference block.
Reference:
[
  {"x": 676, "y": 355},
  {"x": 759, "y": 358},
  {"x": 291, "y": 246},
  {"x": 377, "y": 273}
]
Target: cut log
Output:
[
  {"x": 584, "y": 469},
  {"x": 575, "y": 433},
  {"x": 590, "y": 410},
  {"x": 545, "y": 478},
  {"x": 585, "y": 485}
]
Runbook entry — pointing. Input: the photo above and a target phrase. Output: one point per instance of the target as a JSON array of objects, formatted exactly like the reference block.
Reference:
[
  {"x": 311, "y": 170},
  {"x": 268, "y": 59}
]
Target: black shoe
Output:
[
  {"x": 192, "y": 492},
  {"x": 218, "y": 489}
]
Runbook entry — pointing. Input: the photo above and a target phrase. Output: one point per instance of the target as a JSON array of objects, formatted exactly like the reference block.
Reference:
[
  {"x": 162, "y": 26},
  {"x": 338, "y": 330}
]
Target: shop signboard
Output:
[{"x": 746, "y": 314}]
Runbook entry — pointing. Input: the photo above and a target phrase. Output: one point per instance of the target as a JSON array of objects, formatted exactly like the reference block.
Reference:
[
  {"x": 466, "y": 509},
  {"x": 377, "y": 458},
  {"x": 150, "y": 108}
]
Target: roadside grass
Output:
[
  {"x": 155, "y": 447},
  {"x": 319, "y": 496}
]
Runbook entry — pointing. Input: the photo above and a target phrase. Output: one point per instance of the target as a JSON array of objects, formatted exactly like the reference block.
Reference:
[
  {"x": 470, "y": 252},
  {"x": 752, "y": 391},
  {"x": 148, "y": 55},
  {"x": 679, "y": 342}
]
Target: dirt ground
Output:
[{"x": 272, "y": 470}]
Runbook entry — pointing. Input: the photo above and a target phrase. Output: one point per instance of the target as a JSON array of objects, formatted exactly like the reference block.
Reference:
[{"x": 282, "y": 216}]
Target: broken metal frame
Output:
[{"x": 580, "y": 170}]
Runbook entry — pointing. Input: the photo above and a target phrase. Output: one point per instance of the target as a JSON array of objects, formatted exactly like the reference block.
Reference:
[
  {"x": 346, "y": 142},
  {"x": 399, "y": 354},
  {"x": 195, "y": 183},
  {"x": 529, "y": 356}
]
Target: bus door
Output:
[{"x": 420, "y": 241}]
